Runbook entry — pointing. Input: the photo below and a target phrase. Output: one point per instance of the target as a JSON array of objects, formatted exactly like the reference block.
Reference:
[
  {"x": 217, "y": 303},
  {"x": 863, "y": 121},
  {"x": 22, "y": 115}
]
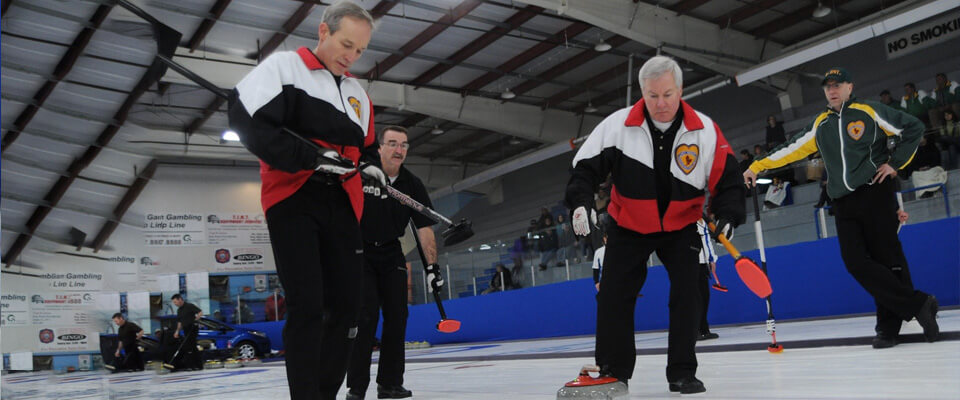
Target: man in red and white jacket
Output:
[
  {"x": 313, "y": 199},
  {"x": 663, "y": 156}
]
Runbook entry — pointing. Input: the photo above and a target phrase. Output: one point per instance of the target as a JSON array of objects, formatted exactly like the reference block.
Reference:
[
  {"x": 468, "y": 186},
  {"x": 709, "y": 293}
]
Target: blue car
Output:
[{"x": 215, "y": 337}]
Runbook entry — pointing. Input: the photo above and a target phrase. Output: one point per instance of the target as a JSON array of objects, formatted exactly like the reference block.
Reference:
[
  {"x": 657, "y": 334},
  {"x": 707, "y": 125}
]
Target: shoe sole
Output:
[{"x": 675, "y": 389}]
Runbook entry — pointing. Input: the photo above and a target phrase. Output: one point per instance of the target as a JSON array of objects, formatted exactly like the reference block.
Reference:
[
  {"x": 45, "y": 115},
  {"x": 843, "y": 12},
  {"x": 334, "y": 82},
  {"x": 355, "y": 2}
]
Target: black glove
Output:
[
  {"x": 331, "y": 162},
  {"x": 724, "y": 226},
  {"x": 434, "y": 279}
]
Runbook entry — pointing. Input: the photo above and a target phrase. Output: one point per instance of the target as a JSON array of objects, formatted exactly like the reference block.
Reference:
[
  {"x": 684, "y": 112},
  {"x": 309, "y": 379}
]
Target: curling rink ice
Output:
[{"x": 823, "y": 359}]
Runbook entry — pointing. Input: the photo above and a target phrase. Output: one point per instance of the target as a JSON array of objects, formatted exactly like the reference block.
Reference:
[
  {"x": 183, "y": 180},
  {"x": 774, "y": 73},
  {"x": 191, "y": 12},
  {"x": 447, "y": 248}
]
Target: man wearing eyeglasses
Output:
[{"x": 384, "y": 271}]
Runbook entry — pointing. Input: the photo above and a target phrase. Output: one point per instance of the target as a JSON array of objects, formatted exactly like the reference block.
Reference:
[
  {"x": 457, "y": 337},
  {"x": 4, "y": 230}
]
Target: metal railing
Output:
[{"x": 820, "y": 213}]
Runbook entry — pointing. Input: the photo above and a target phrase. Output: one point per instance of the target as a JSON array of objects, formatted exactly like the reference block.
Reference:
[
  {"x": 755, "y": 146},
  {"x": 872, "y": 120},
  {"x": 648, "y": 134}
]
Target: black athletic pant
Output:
[
  {"x": 384, "y": 288},
  {"x": 704, "y": 283},
  {"x": 867, "y": 230},
  {"x": 624, "y": 272},
  {"x": 189, "y": 355},
  {"x": 130, "y": 361},
  {"x": 319, "y": 255}
]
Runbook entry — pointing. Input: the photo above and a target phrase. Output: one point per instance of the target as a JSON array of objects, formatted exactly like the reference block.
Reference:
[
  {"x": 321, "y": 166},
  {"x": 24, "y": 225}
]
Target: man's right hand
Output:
[
  {"x": 330, "y": 162},
  {"x": 582, "y": 220},
  {"x": 749, "y": 178}
]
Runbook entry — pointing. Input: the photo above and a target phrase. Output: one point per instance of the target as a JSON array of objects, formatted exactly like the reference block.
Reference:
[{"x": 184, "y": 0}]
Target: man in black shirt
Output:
[
  {"x": 385, "y": 273},
  {"x": 187, "y": 316},
  {"x": 127, "y": 357}
]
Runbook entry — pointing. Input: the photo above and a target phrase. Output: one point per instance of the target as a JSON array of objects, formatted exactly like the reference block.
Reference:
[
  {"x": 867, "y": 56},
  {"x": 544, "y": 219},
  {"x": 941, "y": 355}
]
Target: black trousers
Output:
[
  {"x": 704, "y": 285},
  {"x": 624, "y": 272},
  {"x": 867, "y": 230},
  {"x": 319, "y": 255},
  {"x": 189, "y": 355},
  {"x": 384, "y": 288},
  {"x": 132, "y": 360}
]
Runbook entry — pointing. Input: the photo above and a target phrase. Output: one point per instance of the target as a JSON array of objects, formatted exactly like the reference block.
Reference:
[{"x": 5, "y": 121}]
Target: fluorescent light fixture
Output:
[
  {"x": 507, "y": 94},
  {"x": 849, "y": 37},
  {"x": 436, "y": 130},
  {"x": 590, "y": 108},
  {"x": 484, "y": 246},
  {"x": 821, "y": 10},
  {"x": 602, "y": 46},
  {"x": 764, "y": 181},
  {"x": 230, "y": 136}
]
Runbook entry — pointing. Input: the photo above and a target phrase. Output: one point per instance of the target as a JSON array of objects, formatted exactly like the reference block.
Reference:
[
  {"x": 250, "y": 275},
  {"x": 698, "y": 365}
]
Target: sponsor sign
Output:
[
  {"x": 196, "y": 229},
  {"x": 62, "y": 308},
  {"x": 237, "y": 229},
  {"x": 14, "y": 309},
  {"x": 67, "y": 339},
  {"x": 238, "y": 259},
  {"x": 174, "y": 229}
]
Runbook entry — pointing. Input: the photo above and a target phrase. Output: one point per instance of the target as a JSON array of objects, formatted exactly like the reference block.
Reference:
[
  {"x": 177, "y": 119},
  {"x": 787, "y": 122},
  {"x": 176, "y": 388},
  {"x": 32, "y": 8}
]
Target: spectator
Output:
[
  {"x": 758, "y": 151},
  {"x": 544, "y": 216},
  {"x": 276, "y": 306},
  {"x": 548, "y": 243},
  {"x": 949, "y": 139},
  {"x": 777, "y": 194},
  {"x": 927, "y": 169},
  {"x": 775, "y": 133},
  {"x": 916, "y": 103},
  {"x": 565, "y": 240},
  {"x": 745, "y": 159},
  {"x": 887, "y": 100},
  {"x": 500, "y": 281},
  {"x": 598, "y": 262},
  {"x": 944, "y": 98},
  {"x": 824, "y": 200}
]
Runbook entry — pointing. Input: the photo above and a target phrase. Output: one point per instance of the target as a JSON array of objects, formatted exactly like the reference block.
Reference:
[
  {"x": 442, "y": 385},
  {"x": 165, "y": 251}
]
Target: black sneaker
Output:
[
  {"x": 927, "y": 317},
  {"x": 884, "y": 341},
  {"x": 356, "y": 394},
  {"x": 688, "y": 385},
  {"x": 393, "y": 392},
  {"x": 707, "y": 336}
]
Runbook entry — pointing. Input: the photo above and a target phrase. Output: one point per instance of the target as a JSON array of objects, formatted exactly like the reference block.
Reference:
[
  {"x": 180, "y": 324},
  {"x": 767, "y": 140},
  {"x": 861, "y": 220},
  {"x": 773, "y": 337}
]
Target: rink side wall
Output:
[{"x": 809, "y": 280}]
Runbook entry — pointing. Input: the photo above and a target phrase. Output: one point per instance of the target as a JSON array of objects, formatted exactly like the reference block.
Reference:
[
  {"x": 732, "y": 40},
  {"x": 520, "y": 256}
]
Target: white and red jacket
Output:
[
  {"x": 621, "y": 145},
  {"x": 294, "y": 90}
]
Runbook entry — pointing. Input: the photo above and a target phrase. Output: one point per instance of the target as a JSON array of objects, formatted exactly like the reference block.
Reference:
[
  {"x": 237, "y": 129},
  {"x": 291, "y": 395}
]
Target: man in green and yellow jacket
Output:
[{"x": 852, "y": 137}]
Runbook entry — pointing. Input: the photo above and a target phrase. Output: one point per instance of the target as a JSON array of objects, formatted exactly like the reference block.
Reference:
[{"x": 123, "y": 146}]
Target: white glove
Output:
[
  {"x": 374, "y": 180},
  {"x": 581, "y": 226},
  {"x": 331, "y": 162},
  {"x": 434, "y": 279}
]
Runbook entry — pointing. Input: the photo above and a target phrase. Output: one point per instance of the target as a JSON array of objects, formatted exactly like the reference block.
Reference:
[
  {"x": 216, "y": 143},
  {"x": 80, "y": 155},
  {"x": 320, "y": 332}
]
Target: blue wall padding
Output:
[{"x": 809, "y": 280}]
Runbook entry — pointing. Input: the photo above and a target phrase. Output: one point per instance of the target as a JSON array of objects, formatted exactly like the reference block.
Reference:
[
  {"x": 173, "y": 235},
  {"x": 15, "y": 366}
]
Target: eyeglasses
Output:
[{"x": 394, "y": 144}]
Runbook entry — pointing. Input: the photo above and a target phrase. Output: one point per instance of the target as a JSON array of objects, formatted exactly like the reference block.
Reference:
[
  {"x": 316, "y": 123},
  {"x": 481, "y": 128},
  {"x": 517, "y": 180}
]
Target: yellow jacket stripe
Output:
[{"x": 796, "y": 149}]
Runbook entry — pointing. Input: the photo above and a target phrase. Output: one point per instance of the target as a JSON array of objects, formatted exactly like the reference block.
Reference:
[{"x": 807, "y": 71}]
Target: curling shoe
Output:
[
  {"x": 393, "y": 392},
  {"x": 687, "y": 385}
]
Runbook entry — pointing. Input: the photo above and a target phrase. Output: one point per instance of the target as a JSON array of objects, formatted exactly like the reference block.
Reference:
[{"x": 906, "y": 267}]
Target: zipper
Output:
[{"x": 843, "y": 158}]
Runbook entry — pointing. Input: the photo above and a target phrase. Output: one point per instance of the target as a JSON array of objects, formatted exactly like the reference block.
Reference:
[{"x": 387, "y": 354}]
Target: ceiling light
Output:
[
  {"x": 602, "y": 46},
  {"x": 230, "y": 136},
  {"x": 514, "y": 141},
  {"x": 507, "y": 94},
  {"x": 590, "y": 108},
  {"x": 436, "y": 130},
  {"x": 764, "y": 181},
  {"x": 821, "y": 10}
]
